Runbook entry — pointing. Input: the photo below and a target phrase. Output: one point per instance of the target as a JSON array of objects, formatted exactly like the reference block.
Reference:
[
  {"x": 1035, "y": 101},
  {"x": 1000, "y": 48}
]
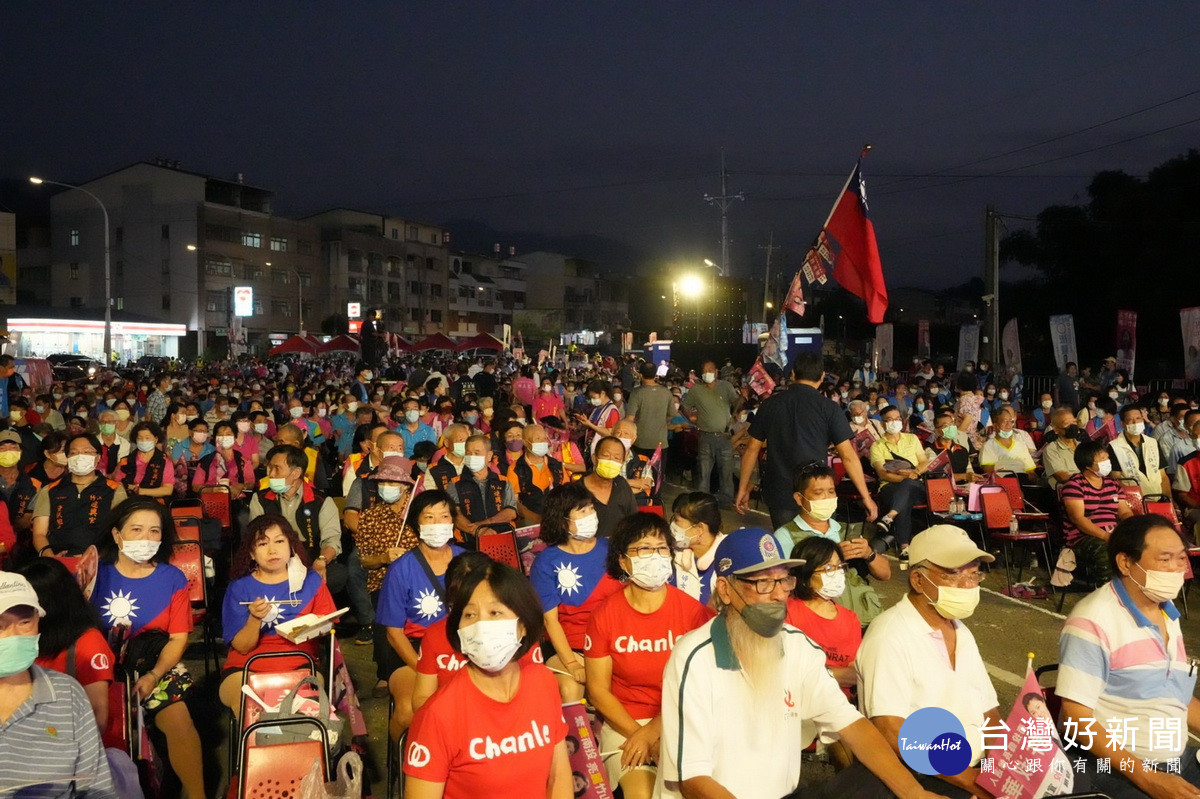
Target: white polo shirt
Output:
[
  {"x": 710, "y": 727},
  {"x": 903, "y": 666}
]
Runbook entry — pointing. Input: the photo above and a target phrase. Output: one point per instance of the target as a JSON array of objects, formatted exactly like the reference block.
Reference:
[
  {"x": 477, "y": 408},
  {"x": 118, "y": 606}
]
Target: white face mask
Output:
[
  {"x": 296, "y": 412},
  {"x": 680, "y": 534},
  {"x": 1003, "y": 395},
  {"x": 833, "y": 584},
  {"x": 391, "y": 453},
  {"x": 474, "y": 463},
  {"x": 539, "y": 448},
  {"x": 822, "y": 509},
  {"x": 1104, "y": 467},
  {"x": 80, "y": 465},
  {"x": 145, "y": 446},
  {"x": 1047, "y": 405},
  {"x": 893, "y": 427},
  {"x": 859, "y": 419},
  {"x": 1135, "y": 428},
  {"x": 199, "y": 437},
  {"x": 586, "y": 526},
  {"x": 436, "y": 535},
  {"x": 1160, "y": 586},
  {"x": 260, "y": 428},
  {"x": 139, "y": 551},
  {"x": 226, "y": 442},
  {"x": 627, "y": 442},
  {"x": 389, "y": 494},
  {"x": 709, "y": 377},
  {"x": 650, "y": 572},
  {"x": 490, "y": 645}
]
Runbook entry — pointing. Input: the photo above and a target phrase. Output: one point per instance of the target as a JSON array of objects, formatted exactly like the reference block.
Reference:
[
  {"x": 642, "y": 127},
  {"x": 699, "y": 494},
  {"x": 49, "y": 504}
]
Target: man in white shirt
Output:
[{"x": 743, "y": 693}]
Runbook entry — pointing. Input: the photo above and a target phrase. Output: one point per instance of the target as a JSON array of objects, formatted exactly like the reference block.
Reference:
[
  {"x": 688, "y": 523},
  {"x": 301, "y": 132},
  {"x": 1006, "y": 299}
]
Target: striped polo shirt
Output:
[
  {"x": 51, "y": 738},
  {"x": 1099, "y": 505},
  {"x": 1113, "y": 659}
]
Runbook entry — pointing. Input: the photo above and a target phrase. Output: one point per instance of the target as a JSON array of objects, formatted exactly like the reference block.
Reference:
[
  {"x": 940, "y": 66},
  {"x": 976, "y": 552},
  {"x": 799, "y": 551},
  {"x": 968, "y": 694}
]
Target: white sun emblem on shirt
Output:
[
  {"x": 569, "y": 581},
  {"x": 120, "y": 608},
  {"x": 272, "y": 617},
  {"x": 428, "y": 603}
]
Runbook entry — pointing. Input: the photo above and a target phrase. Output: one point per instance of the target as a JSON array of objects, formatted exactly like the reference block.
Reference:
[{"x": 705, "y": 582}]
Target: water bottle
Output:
[{"x": 1012, "y": 524}]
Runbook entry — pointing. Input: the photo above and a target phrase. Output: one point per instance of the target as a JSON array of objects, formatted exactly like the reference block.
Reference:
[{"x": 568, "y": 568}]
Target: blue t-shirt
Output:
[
  {"x": 562, "y": 578},
  {"x": 247, "y": 589},
  {"x": 159, "y": 601},
  {"x": 407, "y": 599},
  {"x": 423, "y": 433},
  {"x": 346, "y": 428}
]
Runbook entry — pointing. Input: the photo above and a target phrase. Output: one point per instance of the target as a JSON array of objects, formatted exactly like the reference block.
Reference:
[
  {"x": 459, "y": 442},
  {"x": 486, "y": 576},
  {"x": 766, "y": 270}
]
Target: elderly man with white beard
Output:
[{"x": 744, "y": 694}]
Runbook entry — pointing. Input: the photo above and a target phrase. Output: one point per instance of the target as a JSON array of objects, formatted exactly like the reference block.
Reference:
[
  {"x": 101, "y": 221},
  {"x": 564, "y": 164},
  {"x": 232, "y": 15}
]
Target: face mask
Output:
[
  {"x": 954, "y": 602},
  {"x": 950, "y": 432},
  {"x": 243, "y": 427},
  {"x": 199, "y": 437},
  {"x": 859, "y": 419},
  {"x": 586, "y": 527},
  {"x": 352, "y": 406},
  {"x": 1160, "y": 586},
  {"x": 122, "y": 414},
  {"x": 516, "y": 445},
  {"x": 389, "y": 494},
  {"x": 471, "y": 418},
  {"x": 1004, "y": 433},
  {"x": 597, "y": 401},
  {"x": 40, "y": 409},
  {"x": 680, "y": 534},
  {"x": 474, "y": 463},
  {"x": 1003, "y": 395},
  {"x": 539, "y": 448},
  {"x": 765, "y": 618},
  {"x": 368, "y": 375},
  {"x": 893, "y": 427},
  {"x": 17, "y": 653},
  {"x": 9, "y": 459},
  {"x": 58, "y": 397},
  {"x": 80, "y": 465},
  {"x": 833, "y": 584},
  {"x": 1104, "y": 468},
  {"x": 709, "y": 377},
  {"x": 139, "y": 551},
  {"x": 822, "y": 509},
  {"x": 412, "y": 416},
  {"x": 278, "y": 484},
  {"x": 488, "y": 413},
  {"x": 608, "y": 469},
  {"x": 191, "y": 417},
  {"x": 1163, "y": 401},
  {"x": 490, "y": 645},
  {"x": 1135, "y": 428},
  {"x": 146, "y": 446},
  {"x": 226, "y": 442},
  {"x": 107, "y": 429},
  {"x": 436, "y": 535},
  {"x": 627, "y": 442},
  {"x": 295, "y": 413},
  {"x": 459, "y": 448},
  {"x": 650, "y": 572},
  {"x": 546, "y": 389}
]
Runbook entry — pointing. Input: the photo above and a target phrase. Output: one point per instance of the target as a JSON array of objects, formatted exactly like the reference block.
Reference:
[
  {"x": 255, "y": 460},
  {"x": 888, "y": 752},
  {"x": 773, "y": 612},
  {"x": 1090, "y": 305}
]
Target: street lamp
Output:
[{"x": 107, "y": 265}]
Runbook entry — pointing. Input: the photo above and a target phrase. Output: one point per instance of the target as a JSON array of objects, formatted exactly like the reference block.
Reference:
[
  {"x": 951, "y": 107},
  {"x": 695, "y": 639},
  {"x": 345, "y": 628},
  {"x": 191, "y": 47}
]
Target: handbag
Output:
[
  {"x": 295, "y": 706},
  {"x": 861, "y": 598},
  {"x": 348, "y": 784}
]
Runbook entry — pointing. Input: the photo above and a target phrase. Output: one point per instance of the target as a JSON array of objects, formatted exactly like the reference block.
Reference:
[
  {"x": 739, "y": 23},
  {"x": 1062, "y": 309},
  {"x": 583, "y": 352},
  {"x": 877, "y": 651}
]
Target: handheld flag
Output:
[
  {"x": 1025, "y": 758},
  {"x": 849, "y": 236}
]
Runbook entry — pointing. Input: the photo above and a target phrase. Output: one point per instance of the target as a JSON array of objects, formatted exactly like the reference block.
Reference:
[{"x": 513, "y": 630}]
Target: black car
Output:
[{"x": 67, "y": 366}]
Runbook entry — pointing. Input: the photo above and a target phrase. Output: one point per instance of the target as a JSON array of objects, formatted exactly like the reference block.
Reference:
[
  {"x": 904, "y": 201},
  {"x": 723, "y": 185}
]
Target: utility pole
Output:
[
  {"x": 991, "y": 272},
  {"x": 770, "y": 247},
  {"x": 723, "y": 202}
]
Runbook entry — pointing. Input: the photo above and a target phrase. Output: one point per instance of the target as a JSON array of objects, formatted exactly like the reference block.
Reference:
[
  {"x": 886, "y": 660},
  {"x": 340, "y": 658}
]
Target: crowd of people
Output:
[{"x": 711, "y": 657}]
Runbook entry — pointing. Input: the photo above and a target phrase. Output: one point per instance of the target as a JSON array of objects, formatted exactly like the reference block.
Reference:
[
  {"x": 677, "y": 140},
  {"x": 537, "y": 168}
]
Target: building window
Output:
[
  {"x": 74, "y": 237},
  {"x": 304, "y": 247},
  {"x": 253, "y": 272},
  {"x": 77, "y": 302},
  {"x": 258, "y": 307},
  {"x": 218, "y": 267},
  {"x": 393, "y": 267},
  {"x": 281, "y": 276},
  {"x": 166, "y": 231},
  {"x": 435, "y": 316},
  {"x": 464, "y": 291},
  {"x": 355, "y": 260},
  {"x": 166, "y": 266},
  {"x": 281, "y": 308},
  {"x": 305, "y": 279},
  {"x": 120, "y": 303},
  {"x": 250, "y": 239},
  {"x": 358, "y": 286},
  {"x": 166, "y": 302},
  {"x": 414, "y": 314},
  {"x": 222, "y": 232},
  {"x": 414, "y": 287},
  {"x": 396, "y": 233},
  {"x": 393, "y": 291},
  {"x": 435, "y": 289},
  {"x": 279, "y": 245},
  {"x": 375, "y": 289},
  {"x": 217, "y": 301},
  {"x": 433, "y": 238},
  {"x": 74, "y": 271},
  {"x": 413, "y": 233},
  {"x": 118, "y": 268},
  {"x": 429, "y": 263}
]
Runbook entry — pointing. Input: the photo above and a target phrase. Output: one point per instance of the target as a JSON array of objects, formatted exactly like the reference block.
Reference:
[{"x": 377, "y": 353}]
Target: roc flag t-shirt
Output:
[
  {"x": 158, "y": 601},
  {"x": 575, "y": 584},
  {"x": 313, "y": 598},
  {"x": 640, "y": 644},
  {"x": 408, "y": 599},
  {"x": 477, "y": 746}
]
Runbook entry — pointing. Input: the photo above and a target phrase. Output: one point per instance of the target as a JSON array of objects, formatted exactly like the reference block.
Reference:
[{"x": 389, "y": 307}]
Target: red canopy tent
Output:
[
  {"x": 296, "y": 344},
  {"x": 342, "y": 343},
  {"x": 483, "y": 341},
  {"x": 437, "y": 341}
]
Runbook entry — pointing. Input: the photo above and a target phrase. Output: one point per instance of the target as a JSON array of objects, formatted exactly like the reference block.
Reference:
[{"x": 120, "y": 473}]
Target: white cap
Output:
[
  {"x": 947, "y": 546},
  {"x": 15, "y": 591}
]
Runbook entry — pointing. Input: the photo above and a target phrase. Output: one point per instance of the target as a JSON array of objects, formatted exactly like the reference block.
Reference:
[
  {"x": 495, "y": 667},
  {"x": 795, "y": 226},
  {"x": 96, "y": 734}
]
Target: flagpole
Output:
[{"x": 857, "y": 165}]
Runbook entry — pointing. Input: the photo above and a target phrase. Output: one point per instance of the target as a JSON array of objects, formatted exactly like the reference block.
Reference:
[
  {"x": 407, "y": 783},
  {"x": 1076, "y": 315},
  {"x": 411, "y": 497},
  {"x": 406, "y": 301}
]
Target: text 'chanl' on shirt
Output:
[{"x": 439, "y": 658}]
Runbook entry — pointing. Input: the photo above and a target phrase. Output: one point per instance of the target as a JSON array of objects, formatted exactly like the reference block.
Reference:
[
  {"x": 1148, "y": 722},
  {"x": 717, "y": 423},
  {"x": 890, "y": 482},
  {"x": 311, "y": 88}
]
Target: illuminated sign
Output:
[
  {"x": 243, "y": 301},
  {"x": 353, "y": 310}
]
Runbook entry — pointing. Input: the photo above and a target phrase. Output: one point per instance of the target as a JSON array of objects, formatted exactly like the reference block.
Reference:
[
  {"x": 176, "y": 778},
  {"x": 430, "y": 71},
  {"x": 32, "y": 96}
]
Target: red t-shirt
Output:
[
  {"x": 640, "y": 644},
  {"x": 438, "y": 657},
  {"x": 93, "y": 659},
  {"x": 479, "y": 747},
  {"x": 840, "y": 636}
]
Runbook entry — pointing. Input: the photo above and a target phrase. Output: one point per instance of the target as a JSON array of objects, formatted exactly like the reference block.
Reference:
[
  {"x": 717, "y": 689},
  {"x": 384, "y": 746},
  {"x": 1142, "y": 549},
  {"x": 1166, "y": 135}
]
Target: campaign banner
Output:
[
  {"x": 923, "y": 348},
  {"x": 968, "y": 343},
  {"x": 760, "y": 382},
  {"x": 1062, "y": 336},
  {"x": 883, "y": 352},
  {"x": 795, "y": 296},
  {"x": 1126, "y": 340},
  {"x": 583, "y": 751},
  {"x": 1011, "y": 340},
  {"x": 1189, "y": 319},
  {"x": 1029, "y": 761}
]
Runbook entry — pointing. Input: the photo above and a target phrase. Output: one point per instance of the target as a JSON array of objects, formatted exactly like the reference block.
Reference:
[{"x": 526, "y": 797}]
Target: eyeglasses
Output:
[
  {"x": 645, "y": 552},
  {"x": 767, "y": 585},
  {"x": 959, "y": 576},
  {"x": 832, "y": 568}
]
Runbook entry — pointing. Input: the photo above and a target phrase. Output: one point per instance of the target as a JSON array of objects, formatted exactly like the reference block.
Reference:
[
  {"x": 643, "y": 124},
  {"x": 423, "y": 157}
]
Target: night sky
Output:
[{"x": 608, "y": 118}]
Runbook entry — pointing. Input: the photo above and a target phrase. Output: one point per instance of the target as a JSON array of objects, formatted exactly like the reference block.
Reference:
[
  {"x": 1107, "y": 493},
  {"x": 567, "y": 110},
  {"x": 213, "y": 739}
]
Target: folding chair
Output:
[
  {"x": 187, "y": 529},
  {"x": 188, "y": 557},
  {"x": 939, "y": 491},
  {"x": 276, "y": 771},
  {"x": 1132, "y": 493},
  {"x": 500, "y": 547},
  {"x": 997, "y": 513},
  {"x": 1163, "y": 506},
  {"x": 218, "y": 505},
  {"x": 186, "y": 509},
  {"x": 395, "y": 756},
  {"x": 118, "y": 733},
  {"x": 270, "y": 685},
  {"x": 1016, "y": 499}
]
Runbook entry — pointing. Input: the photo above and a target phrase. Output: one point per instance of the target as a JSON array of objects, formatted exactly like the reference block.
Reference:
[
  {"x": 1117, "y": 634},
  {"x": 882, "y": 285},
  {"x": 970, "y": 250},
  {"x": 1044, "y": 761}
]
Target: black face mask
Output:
[{"x": 1075, "y": 432}]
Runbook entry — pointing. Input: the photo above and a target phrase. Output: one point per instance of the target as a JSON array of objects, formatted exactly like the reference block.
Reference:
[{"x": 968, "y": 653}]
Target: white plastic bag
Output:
[{"x": 347, "y": 786}]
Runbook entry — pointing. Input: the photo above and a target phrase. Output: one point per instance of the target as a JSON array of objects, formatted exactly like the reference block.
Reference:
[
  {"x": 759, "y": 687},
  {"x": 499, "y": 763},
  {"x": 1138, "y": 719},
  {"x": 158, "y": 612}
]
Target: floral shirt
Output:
[{"x": 378, "y": 530}]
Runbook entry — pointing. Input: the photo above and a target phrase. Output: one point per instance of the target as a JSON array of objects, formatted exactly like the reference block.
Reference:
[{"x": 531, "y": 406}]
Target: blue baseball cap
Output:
[{"x": 748, "y": 550}]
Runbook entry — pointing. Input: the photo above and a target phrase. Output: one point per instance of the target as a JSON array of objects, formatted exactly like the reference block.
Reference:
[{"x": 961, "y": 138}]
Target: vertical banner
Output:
[
  {"x": 1029, "y": 762},
  {"x": 1126, "y": 340},
  {"x": 795, "y": 296},
  {"x": 1011, "y": 341},
  {"x": 588, "y": 778},
  {"x": 923, "y": 348},
  {"x": 507, "y": 336},
  {"x": 1189, "y": 319},
  {"x": 1062, "y": 336},
  {"x": 968, "y": 343},
  {"x": 883, "y": 353}
]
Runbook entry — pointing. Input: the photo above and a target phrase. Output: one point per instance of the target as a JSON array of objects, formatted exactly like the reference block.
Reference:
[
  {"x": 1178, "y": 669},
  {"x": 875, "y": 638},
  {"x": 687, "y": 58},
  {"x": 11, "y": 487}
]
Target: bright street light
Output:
[
  {"x": 770, "y": 305},
  {"x": 707, "y": 262},
  {"x": 691, "y": 286},
  {"x": 191, "y": 248},
  {"x": 36, "y": 181}
]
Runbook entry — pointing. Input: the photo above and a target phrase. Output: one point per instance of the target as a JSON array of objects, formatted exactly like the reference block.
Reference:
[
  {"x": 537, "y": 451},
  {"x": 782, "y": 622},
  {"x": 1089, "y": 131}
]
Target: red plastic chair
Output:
[
  {"x": 938, "y": 493},
  {"x": 996, "y": 516},
  {"x": 218, "y": 505},
  {"x": 276, "y": 771},
  {"x": 118, "y": 734},
  {"x": 1132, "y": 493},
  {"x": 270, "y": 685},
  {"x": 501, "y": 547},
  {"x": 188, "y": 557},
  {"x": 186, "y": 509}
]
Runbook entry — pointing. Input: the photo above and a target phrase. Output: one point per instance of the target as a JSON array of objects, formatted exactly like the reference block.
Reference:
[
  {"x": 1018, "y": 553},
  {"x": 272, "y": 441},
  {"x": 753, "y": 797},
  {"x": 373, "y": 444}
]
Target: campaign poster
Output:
[
  {"x": 883, "y": 352},
  {"x": 968, "y": 343},
  {"x": 1011, "y": 341},
  {"x": 588, "y": 778},
  {"x": 795, "y": 296},
  {"x": 1062, "y": 336},
  {"x": 1190, "y": 320},
  {"x": 923, "y": 347},
  {"x": 1025, "y": 756},
  {"x": 1126, "y": 340}
]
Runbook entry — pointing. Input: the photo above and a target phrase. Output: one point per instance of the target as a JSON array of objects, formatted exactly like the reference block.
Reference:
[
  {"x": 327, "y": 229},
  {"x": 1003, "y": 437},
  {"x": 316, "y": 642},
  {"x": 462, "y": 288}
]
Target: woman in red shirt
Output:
[
  {"x": 548, "y": 403},
  {"x": 813, "y": 608},
  {"x": 629, "y": 639},
  {"x": 496, "y": 728}
]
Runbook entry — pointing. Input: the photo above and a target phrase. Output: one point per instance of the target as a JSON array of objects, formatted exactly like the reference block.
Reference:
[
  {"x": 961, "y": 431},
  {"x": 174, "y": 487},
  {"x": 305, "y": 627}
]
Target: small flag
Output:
[
  {"x": 795, "y": 296},
  {"x": 1024, "y": 757},
  {"x": 760, "y": 382}
]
